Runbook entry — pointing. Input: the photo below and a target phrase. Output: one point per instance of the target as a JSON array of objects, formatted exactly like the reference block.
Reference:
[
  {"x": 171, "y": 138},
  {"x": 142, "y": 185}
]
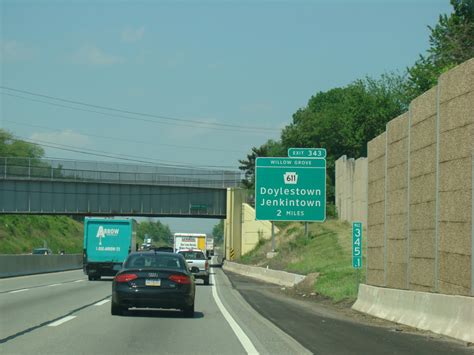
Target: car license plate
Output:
[{"x": 156, "y": 282}]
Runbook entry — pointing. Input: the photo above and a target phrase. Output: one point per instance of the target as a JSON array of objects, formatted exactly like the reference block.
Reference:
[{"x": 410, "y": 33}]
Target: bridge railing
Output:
[{"x": 91, "y": 171}]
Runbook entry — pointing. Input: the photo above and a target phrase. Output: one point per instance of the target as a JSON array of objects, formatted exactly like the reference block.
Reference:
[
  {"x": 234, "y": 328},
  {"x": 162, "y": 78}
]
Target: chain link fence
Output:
[{"x": 92, "y": 171}]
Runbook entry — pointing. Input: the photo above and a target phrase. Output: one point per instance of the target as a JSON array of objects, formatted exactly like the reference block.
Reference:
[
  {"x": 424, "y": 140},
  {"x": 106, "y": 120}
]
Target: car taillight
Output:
[
  {"x": 180, "y": 279},
  {"x": 206, "y": 265},
  {"x": 125, "y": 277}
]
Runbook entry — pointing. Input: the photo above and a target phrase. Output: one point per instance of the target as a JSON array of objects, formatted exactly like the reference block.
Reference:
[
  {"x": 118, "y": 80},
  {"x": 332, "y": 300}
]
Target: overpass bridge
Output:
[{"x": 73, "y": 187}]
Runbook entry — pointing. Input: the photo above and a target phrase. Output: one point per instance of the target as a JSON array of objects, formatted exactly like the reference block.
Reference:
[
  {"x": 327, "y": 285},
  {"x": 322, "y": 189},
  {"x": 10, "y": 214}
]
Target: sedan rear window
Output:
[
  {"x": 193, "y": 255},
  {"x": 152, "y": 261}
]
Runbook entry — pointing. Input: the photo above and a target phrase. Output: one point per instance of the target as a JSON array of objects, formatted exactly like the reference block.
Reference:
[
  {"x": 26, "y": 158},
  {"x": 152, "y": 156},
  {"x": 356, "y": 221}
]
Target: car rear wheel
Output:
[
  {"x": 116, "y": 310},
  {"x": 189, "y": 311}
]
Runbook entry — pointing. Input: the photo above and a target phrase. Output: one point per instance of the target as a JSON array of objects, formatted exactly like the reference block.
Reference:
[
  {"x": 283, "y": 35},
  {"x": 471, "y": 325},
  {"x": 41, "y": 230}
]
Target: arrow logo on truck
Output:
[{"x": 103, "y": 232}]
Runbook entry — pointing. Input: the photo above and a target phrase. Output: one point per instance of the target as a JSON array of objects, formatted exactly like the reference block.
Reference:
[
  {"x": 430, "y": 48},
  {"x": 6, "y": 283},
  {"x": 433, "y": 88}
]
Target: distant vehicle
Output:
[
  {"x": 147, "y": 243},
  {"x": 154, "y": 280},
  {"x": 107, "y": 243},
  {"x": 189, "y": 241},
  {"x": 41, "y": 251},
  {"x": 197, "y": 258},
  {"x": 209, "y": 246}
]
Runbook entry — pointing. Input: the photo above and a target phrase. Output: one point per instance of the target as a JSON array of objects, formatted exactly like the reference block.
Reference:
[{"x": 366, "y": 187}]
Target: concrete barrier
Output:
[
  {"x": 17, "y": 265},
  {"x": 443, "y": 314},
  {"x": 282, "y": 278}
]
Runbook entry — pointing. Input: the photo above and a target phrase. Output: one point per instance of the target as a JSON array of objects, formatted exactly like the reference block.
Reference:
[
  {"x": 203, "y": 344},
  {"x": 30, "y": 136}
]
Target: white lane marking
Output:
[
  {"x": 79, "y": 281},
  {"x": 22, "y": 290},
  {"x": 61, "y": 321},
  {"x": 243, "y": 338},
  {"x": 102, "y": 302},
  {"x": 52, "y": 285}
]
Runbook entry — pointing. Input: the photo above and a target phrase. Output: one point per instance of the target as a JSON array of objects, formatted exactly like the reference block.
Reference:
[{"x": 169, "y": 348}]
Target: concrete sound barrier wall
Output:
[
  {"x": 241, "y": 231},
  {"x": 17, "y": 265},
  {"x": 253, "y": 231},
  {"x": 351, "y": 189},
  {"x": 420, "y": 204}
]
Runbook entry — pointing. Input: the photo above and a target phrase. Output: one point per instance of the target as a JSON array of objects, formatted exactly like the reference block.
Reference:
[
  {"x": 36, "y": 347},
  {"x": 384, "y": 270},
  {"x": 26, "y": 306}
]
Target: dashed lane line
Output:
[
  {"x": 41, "y": 286},
  {"x": 102, "y": 302},
  {"x": 61, "y": 321}
]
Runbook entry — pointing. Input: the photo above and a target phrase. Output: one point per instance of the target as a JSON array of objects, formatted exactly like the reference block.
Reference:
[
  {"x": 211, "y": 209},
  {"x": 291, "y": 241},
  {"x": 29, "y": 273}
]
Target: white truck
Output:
[{"x": 187, "y": 241}]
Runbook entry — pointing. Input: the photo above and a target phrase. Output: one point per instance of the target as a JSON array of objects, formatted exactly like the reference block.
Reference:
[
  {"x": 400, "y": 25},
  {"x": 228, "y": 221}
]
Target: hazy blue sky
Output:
[{"x": 246, "y": 63}]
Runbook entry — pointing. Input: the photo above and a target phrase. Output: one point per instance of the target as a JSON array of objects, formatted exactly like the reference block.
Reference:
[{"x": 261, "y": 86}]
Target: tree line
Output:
[{"x": 344, "y": 119}]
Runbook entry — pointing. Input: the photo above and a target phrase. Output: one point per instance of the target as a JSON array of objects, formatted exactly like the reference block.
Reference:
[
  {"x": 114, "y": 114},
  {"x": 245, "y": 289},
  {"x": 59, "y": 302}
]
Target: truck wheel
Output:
[
  {"x": 189, "y": 311},
  {"x": 90, "y": 277},
  {"x": 206, "y": 280},
  {"x": 116, "y": 310}
]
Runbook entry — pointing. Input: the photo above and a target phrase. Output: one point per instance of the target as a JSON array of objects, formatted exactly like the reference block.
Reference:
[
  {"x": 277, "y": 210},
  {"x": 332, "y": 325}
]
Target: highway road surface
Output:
[{"x": 63, "y": 313}]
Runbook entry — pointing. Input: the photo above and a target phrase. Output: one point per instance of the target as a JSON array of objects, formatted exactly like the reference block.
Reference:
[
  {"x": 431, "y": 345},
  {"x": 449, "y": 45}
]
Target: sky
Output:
[{"x": 210, "y": 79}]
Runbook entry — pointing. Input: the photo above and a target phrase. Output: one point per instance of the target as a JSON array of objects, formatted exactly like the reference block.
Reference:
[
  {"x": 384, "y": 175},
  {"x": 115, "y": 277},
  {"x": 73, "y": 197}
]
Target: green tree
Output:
[
  {"x": 159, "y": 233},
  {"x": 11, "y": 147},
  {"x": 218, "y": 232},
  {"x": 451, "y": 43},
  {"x": 270, "y": 148}
]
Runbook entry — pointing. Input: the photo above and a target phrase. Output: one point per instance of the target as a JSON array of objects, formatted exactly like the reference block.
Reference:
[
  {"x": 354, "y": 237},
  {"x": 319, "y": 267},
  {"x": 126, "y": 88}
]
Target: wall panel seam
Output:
[
  {"x": 436, "y": 271},
  {"x": 407, "y": 251},
  {"x": 385, "y": 211}
]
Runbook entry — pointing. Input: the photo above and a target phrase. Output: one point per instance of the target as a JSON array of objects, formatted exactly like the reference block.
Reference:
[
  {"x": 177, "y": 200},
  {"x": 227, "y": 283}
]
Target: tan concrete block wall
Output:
[
  {"x": 428, "y": 189},
  {"x": 456, "y": 118},
  {"x": 233, "y": 222},
  {"x": 359, "y": 191},
  {"x": 396, "y": 213},
  {"x": 376, "y": 211},
  {"x": 422, "y": 199},
  {"x": 252, "y": 230},
  {"x": 422, "y": 273},
  {"x": 351, "y": 189}
]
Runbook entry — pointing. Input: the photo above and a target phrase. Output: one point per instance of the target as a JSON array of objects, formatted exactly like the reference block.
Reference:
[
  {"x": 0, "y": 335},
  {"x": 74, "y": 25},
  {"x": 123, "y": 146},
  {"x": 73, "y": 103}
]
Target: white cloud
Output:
[
  {"x": 15, "y": 51},
  {"x": 92, "y": 55},
  {"x": 65, "y": 137},
  {"x": 133, "y": 34}
]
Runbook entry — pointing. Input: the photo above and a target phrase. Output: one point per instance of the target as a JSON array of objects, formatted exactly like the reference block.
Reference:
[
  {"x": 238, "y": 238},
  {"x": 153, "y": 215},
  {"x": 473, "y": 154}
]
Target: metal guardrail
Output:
[{"x": 96, "y": 171}]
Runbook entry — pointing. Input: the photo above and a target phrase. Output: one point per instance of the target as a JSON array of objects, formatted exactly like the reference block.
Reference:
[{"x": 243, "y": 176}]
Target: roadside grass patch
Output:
[
  {"x": 20, "y": 234},
  {"x": 327, "y": 250}
]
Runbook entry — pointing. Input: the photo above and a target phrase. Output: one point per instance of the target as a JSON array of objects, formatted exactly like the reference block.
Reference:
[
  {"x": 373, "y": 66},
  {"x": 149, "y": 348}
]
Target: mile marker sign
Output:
[{"x": 290, "y": 189}]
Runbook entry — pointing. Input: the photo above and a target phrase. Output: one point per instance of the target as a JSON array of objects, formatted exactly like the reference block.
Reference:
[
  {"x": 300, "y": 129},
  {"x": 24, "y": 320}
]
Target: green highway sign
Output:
[
  {"x": 356, "y": 245},
  {"x": 307, "y": 153},
  {"x": 290, "y": 189}
]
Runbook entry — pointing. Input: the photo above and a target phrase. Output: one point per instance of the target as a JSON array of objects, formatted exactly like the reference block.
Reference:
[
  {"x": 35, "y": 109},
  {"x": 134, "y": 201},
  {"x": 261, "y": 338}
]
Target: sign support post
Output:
[{"x": 273, "y": 236}]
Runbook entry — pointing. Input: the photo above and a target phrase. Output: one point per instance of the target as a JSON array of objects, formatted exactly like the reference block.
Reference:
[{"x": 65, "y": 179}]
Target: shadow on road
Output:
[{"x": 159, "y": 313}]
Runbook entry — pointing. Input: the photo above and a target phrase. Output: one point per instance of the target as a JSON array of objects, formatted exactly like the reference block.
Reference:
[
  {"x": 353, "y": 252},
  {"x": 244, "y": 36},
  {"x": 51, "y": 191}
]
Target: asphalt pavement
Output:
[
  {"x": 63, "y": 313},
  {"x": 326, "y": 330}
]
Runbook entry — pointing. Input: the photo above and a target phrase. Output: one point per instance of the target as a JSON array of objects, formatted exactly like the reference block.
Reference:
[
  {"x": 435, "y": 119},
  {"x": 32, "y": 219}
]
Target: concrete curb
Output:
[
  {"x": 19, "y": 265},
  {"x": 277, "y": 277},
  {"x": 443, "y": 314}
]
